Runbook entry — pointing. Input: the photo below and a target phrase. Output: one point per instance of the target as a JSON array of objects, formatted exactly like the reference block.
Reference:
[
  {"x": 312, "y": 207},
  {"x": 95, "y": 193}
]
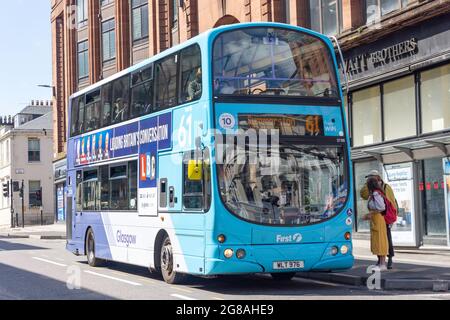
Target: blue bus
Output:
[{"x": 226, "y": 154}]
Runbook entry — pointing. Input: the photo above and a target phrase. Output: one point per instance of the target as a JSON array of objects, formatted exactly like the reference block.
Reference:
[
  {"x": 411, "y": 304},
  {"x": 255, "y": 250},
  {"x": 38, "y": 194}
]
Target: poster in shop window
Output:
[{"x": 400, "y": 178}]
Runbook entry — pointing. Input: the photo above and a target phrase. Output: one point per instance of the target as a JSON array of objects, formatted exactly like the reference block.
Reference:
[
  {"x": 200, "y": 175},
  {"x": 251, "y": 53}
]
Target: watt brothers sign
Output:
[{"x": 363, "y": 62}]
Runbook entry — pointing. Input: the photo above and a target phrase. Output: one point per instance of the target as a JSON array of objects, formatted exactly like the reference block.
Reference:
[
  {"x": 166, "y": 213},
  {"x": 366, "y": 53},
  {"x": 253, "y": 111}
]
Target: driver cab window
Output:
[{"x": 196, "y": 180}]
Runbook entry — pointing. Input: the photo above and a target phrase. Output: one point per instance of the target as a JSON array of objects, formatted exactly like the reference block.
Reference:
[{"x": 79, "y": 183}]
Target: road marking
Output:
[
  {"x": 113, "y": 278},
  {"x": 217, "y": 298},
  {"x": 51, "y": 262},
  {"x": 419, "y": 262},
  {"x": 179, "y": 296}
]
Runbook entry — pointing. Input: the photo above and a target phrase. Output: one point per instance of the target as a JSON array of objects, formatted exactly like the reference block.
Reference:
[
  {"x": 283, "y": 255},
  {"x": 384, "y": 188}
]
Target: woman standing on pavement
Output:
[{"x": 378, "y": 232}]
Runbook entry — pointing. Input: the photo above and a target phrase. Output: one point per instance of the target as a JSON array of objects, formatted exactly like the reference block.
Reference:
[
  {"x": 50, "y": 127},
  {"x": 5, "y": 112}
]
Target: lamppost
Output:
[{"x": 48, "y": 86}]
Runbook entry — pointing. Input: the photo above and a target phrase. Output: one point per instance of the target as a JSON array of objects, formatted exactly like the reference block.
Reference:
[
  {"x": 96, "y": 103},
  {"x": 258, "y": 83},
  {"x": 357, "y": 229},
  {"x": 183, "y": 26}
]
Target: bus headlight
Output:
[
  {"x": 334, "y": 250},
  {"x": 344, "y": 249},
  {"x": 240, "y": 253},
  {"x": 228, "y": 253}
]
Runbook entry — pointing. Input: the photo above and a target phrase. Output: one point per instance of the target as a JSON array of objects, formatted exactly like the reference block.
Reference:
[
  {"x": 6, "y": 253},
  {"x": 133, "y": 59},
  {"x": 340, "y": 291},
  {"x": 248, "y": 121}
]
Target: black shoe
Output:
[{"x": 389, "y": 264}]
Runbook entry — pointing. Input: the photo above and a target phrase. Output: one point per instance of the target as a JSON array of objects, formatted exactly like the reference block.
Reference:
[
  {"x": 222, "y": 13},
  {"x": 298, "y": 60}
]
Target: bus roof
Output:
[{"x": 197, "y": 39}]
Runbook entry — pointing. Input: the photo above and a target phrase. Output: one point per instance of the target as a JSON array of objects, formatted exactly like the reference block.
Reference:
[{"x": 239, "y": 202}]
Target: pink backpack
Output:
[{"x": 390, "y": 214}]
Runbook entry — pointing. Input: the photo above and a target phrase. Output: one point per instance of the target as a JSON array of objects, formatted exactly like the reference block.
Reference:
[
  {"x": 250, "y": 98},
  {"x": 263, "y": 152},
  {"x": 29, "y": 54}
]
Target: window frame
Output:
[
  {"x": 32, "y": 195},
  {"x": 85, "y": 53},
  {"x": 180, "y": 75},
  {"x": 141, "y": 83},
  {"x": 139, "y": 5},
  {"x": 82, "y": 20},
  {"x": 90, "y": 104},
  {"x": 36, "y": 153},
  {"x": 157, "y": 65},
  {"x": 379, "y": 15},
  {"x": 339, "y": 17},
  {"x": 111, "y": 29}
]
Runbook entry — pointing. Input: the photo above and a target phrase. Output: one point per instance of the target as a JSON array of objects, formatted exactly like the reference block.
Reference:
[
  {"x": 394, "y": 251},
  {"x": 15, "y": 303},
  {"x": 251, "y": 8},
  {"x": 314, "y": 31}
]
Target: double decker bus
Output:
[{"x": 226, "y": 154}]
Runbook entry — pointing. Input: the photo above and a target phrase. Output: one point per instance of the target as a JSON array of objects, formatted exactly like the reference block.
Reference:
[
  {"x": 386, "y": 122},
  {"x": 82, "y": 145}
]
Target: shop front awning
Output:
[{"x": 406, "y": 150}]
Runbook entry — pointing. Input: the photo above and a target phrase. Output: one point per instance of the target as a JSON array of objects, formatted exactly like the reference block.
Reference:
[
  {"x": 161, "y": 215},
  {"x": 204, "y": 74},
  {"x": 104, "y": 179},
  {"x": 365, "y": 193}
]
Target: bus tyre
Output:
[
  {"x": 92, "y": 260},
  {"x": 169, "y": 275},
  {"x": 285, "y": 276}
]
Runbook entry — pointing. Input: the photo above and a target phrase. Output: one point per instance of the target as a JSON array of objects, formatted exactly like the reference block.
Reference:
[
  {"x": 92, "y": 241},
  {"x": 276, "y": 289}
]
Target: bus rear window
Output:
[{"x": 273, "y": 62}]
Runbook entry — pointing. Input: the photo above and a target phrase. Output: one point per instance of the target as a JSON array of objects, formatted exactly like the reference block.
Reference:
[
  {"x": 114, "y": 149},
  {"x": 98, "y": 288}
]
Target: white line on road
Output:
[
  {"x": 179, "y": 296},
  {"x": 181, "y": 289},
  {"x": 52, "y": 262},
  {"x": 113, "y": 278}
]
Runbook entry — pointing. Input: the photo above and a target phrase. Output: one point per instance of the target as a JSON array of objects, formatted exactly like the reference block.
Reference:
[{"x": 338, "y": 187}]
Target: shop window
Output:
[
  {"x": 361, "y": 169},
  {"x": 431, "y": 187},
  {"x": 34, "y": 187},
  {"x": 435, "y": 99},
  {"x": 399, "y": 108},
  {"x": 366, "y": 114}
]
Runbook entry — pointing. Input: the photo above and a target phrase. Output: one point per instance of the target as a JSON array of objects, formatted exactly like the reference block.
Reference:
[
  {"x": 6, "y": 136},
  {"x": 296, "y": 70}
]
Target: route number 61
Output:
[{"x": 184, "y": 135}]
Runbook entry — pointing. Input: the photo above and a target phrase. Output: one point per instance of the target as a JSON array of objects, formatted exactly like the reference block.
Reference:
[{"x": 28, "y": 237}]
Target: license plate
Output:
[{"x": 283, "y": 265}]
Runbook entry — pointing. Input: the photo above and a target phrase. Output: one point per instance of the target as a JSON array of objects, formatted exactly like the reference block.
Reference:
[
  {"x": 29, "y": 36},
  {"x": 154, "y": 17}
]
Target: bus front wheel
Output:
[
  {"x": 92, "y": 260},
  {"x": 286, "y": 276},
  {"x": 170, "y": 276}
]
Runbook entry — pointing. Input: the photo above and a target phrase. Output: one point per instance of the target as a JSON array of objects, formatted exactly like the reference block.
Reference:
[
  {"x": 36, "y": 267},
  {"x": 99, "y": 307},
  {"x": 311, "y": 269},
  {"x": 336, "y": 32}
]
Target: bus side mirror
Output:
[{"x": 195, "y": 169}]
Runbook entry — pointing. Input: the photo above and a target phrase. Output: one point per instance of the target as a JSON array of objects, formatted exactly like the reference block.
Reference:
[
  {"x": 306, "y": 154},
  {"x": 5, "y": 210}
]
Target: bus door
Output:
[{"x": 183, "y": 200}]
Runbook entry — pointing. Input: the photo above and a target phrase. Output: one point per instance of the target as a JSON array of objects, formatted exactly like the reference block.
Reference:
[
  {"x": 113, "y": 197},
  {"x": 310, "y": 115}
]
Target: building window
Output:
[
  {"x": 174, "y": 22},
  {"x": 435, "y": 99},
  {"x": 105, "y": 2},
  {"x": 375, "y": 9},
  {"x": 326, "y": 16},
  {"x": 83, "y": 60},
  {"x": 109, "y": 40},
  {"x": 34, "y": 194},
  {"x": 366, "y": 116},
  {"x": 82, "y": 13},
  {"x": 139, "y": 19},
  {"x": 34, "y": 150},
  {"x": 399, "y": 108}
]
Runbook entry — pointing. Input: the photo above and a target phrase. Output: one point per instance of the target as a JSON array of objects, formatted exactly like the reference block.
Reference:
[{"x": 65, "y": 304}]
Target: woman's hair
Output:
[{"x": 372, "y": 184}]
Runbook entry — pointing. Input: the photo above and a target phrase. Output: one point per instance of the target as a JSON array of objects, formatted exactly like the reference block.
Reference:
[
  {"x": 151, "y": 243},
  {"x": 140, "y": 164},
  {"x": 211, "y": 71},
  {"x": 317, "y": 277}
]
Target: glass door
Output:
[
  {"x": 400, "y": 178},
  {"x": 446, "y": 162}
]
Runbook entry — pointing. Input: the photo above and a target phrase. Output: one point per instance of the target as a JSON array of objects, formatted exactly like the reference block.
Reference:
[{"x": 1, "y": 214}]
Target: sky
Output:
[{"x": 25, "y": 53}]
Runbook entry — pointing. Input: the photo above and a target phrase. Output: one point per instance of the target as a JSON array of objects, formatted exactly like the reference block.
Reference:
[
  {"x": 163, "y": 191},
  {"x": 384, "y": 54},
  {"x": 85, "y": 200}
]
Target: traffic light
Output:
[
  {"x": 6, "y": 190},
  {"x": 21, "y": 192}
]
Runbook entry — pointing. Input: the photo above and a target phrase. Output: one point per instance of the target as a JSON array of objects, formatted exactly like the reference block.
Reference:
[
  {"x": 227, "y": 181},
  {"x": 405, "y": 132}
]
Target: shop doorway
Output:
[{"x": 432, "y": 190}]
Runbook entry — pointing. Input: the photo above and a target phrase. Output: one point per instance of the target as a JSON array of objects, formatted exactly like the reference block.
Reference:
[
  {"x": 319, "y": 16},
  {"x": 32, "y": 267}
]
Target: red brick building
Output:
[{"x": 395, "y": 50}]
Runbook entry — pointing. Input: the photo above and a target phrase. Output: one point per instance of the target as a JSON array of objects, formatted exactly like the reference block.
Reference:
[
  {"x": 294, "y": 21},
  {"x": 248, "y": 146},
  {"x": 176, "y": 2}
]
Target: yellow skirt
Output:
[{"x": 378, "y": 234}]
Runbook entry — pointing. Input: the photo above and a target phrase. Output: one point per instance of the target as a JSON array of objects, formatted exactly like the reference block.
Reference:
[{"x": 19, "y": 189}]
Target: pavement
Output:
[
  {"x": 424, "y": 269},
  {"x": 52, "y": 231},
  {"x": 413, "y": 269}
]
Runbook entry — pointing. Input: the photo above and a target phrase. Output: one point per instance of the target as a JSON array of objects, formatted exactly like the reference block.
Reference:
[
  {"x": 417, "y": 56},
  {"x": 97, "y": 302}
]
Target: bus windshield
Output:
[
  {"x": 308, "y": 184},
  {"x": 272, "y": 62}
]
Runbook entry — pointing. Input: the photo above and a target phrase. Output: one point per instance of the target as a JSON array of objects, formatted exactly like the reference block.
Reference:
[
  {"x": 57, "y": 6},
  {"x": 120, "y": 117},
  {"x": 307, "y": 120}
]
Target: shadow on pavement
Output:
[
  {"x": 12, "y": 246},
  {"x": 20, "y": 284}
]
